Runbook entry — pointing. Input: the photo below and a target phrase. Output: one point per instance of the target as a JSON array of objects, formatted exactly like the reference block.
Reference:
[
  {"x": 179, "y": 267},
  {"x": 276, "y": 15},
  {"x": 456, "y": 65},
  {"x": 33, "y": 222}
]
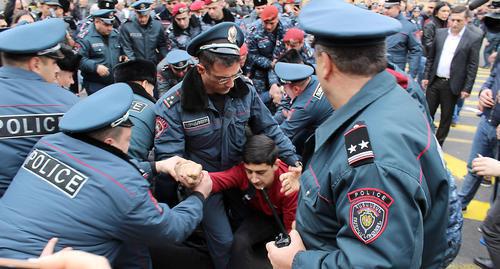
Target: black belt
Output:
[{"x": 440, "y": 78}]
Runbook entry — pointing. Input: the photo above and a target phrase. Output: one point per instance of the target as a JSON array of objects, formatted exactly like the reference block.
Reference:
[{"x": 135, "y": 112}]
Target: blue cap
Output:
[
  {"x": 53, "y": 3},
  {"x": 106, "y": 15},
  {"x": 40, "y": 38},
  {"x": 348, "y": 25},
  {"x": 223, "y": 38},
  {"x": 179, "y": 59},
  {"x": 112, "y": 102},
  {"x": 290, "y": 73},
  {"x": 142, "y": 6}
]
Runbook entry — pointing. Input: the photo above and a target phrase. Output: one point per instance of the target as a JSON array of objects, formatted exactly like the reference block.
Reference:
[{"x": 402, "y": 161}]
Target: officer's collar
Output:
[
  {"x": 194, "y": 97},
  {"x": 139, "y": 90}
]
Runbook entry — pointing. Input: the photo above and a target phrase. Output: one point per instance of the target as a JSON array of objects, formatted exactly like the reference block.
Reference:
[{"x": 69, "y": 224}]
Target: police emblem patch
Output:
[
  {"x": 358, "y": 145},
  {"x": 368, "y": 213},
  {"x": 231, "y": 34},
  {"x": 160, "y": 126}
]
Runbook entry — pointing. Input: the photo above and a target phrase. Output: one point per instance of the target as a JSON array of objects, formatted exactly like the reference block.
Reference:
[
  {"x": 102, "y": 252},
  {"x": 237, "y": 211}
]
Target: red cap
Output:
[
  {"x": 208, "y": 2},
  {"x": 179, "y": 8},
  {"x": 197, "y": 5},
  {"x": 244, "y": 49},
  {"x": 294, "y": 34},
  {"x": 269, "y": 13}
]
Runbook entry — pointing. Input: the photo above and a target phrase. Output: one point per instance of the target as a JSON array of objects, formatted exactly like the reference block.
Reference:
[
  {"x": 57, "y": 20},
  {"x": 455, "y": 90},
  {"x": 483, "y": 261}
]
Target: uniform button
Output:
[{"x": 308, "y": 192}]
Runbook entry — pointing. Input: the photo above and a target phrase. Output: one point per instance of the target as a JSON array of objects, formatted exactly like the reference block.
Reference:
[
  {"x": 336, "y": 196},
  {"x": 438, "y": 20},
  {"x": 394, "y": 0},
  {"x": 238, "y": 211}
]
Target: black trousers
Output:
[
  {"x": 439, "y": 94},
  {"x": 248, "y": 249},
  {"x": 491, "y": 232}
]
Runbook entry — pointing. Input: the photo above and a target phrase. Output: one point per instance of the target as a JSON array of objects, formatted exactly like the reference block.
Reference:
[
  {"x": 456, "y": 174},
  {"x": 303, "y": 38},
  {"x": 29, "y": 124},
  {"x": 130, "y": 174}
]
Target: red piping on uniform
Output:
[
  {"x": 29, "y": 105},
  {"x": 309, "y": 101},
  {"x": 427, "y": 147},
  {"x": 89, "y": 166},
  {"x": 401, "y": 79},
  {"x": 317, "y": 184}
]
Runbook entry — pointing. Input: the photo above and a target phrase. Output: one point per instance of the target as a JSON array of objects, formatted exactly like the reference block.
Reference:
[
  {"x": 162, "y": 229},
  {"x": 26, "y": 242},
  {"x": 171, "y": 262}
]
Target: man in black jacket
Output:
[{"x": 451, "y": 68}]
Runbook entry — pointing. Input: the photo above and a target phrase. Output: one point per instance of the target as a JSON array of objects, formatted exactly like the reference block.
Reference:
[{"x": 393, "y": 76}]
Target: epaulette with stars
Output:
[
  {"x": 169, "y": 101},
  {"x": 358, "y": 145}
]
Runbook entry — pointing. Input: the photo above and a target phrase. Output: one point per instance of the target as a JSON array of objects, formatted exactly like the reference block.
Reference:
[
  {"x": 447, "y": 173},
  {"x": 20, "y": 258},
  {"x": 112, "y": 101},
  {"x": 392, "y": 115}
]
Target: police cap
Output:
[
  {"x": 106, "y": 4},
  {"x": 391, "y": 3},
  {"x": 197, "y": 5},
  {"x": 348, "y": 25},
  {"x": 223, "y": 38},
  {"x": 179, "y": 8},
  {"x": 142, "y": 6},
  {"x": 258, "y": 3},
  {"x": 115, "y": 99},
  {"x": 53, "y": 3},
  {"x": 135, "y": 70},
  {"x": 40, "y": 38},
  {"x": 179, "y": 59},
  {"x": 290, "y": 73},
  {"x": 105, "y": 15}
]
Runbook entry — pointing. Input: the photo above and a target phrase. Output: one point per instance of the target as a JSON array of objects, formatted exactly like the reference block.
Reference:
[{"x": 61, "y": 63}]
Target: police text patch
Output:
[
  {"x": 368, "y": 213},
  {"x": 138, "y": 106},
  {"x": 358, "y": 145},
  {"x": 30, "y": 125},
  {"x": 318, "y": 93},
  {"x": 196, "y": 123},
  {"x": 61, "y": 176}
]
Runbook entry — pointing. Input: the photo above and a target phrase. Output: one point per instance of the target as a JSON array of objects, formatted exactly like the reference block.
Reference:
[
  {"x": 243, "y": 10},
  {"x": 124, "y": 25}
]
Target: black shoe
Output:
[
  {"x": 484, "y": 263},
  {"x": 464, "y": 208}
]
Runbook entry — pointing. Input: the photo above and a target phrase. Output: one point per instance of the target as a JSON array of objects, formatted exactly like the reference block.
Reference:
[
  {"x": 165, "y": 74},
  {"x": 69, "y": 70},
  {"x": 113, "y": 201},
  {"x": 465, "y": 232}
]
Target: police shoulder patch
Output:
[
  {"x": 368, "y": 213},
  {"x": 138, "y": 106},
  {"x": 169, "y": 101},
  {"x": 160, "y": 126},
  {"x": 358, "y": 145}
]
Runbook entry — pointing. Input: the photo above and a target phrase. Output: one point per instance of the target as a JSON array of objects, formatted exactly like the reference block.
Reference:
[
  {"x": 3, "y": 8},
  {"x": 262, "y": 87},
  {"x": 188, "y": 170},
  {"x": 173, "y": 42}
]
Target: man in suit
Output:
[{"x": 451, "y": 68}]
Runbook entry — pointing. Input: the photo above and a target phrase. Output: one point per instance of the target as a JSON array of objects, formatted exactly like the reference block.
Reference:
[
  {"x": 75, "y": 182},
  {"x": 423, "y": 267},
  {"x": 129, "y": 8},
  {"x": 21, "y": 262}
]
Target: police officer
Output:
[
  {"x": 101, "y": 51},
  {"x": 251, "y": 18},
  {"x": 184, "y": 27},
  {"x": 265, "y": 45},
  {"x": 140, "y": 75},
  {"x": 31, "y": 102},
  {"x": 403, "y": 46},
  {"x": 216, "y": 13},
  {"x": 143, "y": 37},
  {"x": 172, "y": 69},
  {"x": 83, "y": 26},
  {"x": 70, "y": 177},
  {"x": 204, "y": 119},
  {"x": 164, "y": 11},
  {"x": 376, "y": 190},
  {"x": 308, "y": 109}
]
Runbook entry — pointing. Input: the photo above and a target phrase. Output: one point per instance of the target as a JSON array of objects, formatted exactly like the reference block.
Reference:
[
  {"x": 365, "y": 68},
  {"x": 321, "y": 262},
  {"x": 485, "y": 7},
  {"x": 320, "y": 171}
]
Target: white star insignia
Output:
[
  {"x": 363, "y": 144},
  {"x": 352, "y": 149}
]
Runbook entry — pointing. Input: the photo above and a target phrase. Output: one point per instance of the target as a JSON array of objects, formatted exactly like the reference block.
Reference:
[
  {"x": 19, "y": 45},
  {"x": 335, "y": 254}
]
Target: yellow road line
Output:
[
  {"x": 458, "y": 140},
  {"x": 457, "y": 167},
  {"x": 476, "y": 210},
  {"x": 461, "y": 127}
]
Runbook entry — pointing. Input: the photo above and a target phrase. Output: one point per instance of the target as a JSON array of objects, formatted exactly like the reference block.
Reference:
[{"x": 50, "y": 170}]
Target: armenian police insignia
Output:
[
  {"x": 138, "y": 106},
  {"x": 30, "y": 125},
  {"x": 160, "y": 126},
  {"x": 358, "y": 145},
  {"x": 368, "y": 213}
]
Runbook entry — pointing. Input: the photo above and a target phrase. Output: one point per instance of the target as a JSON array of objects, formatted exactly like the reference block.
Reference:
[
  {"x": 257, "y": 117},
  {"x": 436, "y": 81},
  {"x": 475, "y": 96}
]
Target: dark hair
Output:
[
  {"x": 439, "y": 5},
  {"x": 15, "y": 59},
  {"x": 291, "y": 56},
  {"x": 461, "y": 9},
  {"x": 208, "y": 58},
  {"x": 357, "y": 60},
  {"x": 106, "y": 132},
  {"x": 71, "y": 60},
  {"x": 260, "y": 149}
]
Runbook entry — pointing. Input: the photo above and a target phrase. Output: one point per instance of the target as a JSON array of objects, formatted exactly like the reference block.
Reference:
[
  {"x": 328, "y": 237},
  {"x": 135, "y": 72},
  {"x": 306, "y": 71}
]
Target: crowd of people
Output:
[{"x": 241, "y": 134}]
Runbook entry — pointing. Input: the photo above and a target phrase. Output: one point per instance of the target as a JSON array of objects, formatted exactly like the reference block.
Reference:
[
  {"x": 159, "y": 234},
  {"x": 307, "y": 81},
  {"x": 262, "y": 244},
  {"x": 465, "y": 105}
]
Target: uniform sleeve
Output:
[
  {"x": 298, "y": 121},
  {"x": 153, "y": 223},
  {"x": 262, "y": 122},
  {"x": 231, "y": 178},
  {"x": 126, "y": 42},
  {"x": 414, "y": 51},
  {"x": 142, "y": 137},
  {"x": 272, "y": 77},
  {"x": 169, "y": 134},
  {"x": 86, "y": 64},
  {"x": 162, "y": 42},
  {"x": 381, "y": 230}
]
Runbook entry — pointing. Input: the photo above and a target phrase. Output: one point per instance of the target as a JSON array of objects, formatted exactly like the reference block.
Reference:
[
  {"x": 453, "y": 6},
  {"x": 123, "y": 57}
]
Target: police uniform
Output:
[
  {"x": 263, "y": 48},
  {"x": 87, "y": 193},
  {"x": 208, "y": 22},
  {"x": 404, "y": 46},
  {"x": 30, "y": 107},
  {"x": 177, "y": 59},
  {"x": 251, "y": 18},
  {"x": 188, "y": 124},
  {"x": 308, "y": 110},
  {"x": 375, "y": 190},
  {"x": 97, "y": 49},
  {"x": 143, "y": 42},
  {"x": 178, "y": 38},
  {"x": 141, "y": 111}
]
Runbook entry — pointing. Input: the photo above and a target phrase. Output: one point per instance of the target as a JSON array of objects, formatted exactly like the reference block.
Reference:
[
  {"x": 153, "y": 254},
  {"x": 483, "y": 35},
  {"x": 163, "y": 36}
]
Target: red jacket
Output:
[{"x": 236, "y": 177}]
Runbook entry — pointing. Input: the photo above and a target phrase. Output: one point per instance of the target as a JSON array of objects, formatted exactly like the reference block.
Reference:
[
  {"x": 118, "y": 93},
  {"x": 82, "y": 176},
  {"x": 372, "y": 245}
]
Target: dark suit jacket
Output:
[{"x": 465, "y": 61}]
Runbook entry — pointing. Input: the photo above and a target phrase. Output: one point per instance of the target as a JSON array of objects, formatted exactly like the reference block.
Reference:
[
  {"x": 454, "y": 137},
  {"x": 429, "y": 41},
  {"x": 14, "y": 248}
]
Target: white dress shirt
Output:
[{"x": 449, "y": 48}]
